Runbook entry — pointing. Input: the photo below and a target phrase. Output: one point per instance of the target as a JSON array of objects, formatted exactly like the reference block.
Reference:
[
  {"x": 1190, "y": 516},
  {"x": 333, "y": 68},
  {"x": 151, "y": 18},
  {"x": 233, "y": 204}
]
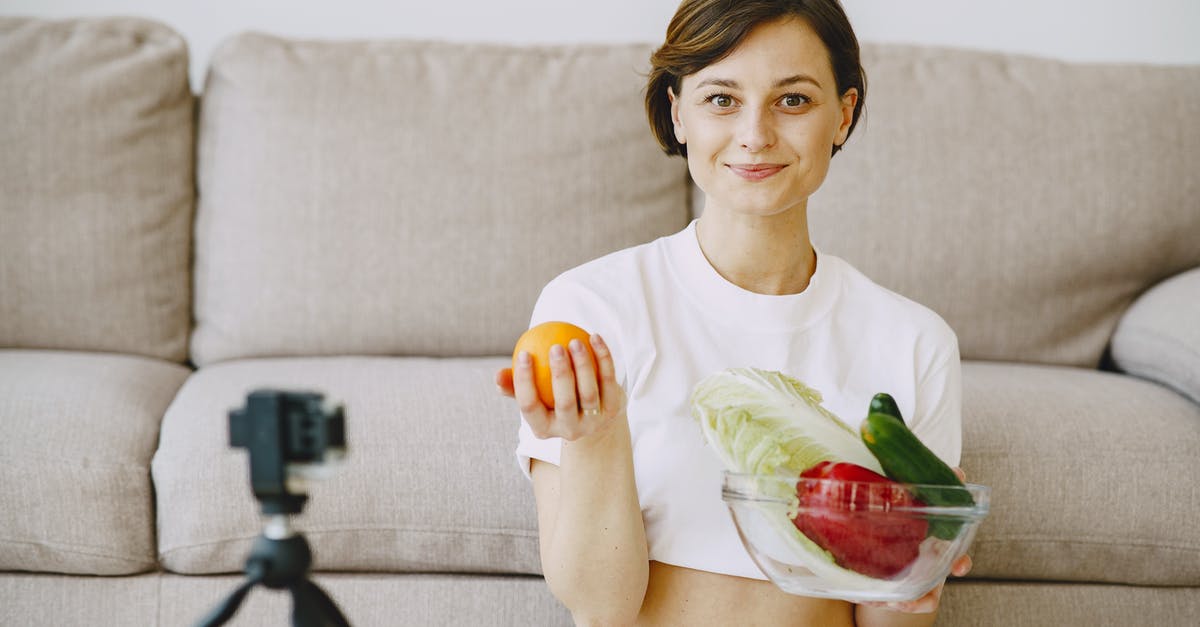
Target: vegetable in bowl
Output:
[{"x": 818, "y": 508}]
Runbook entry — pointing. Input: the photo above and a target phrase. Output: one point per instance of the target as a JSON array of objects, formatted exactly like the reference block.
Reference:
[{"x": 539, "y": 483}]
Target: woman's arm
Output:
[
  {"x": 593, "y": 541},
  {"x": 592, "y": 538}
]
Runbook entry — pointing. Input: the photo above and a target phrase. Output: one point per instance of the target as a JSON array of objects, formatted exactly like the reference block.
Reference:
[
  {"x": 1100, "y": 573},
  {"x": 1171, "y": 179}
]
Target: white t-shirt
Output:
[{"x": 671, "y": 320}]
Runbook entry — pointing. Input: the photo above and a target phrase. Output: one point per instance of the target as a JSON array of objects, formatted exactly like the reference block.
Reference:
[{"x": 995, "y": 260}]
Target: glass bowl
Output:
[{"x": 860, "y": 541}]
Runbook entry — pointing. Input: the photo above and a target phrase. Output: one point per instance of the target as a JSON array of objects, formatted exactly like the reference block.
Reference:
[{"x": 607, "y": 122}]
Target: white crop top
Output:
[{"x": 671, "y": 320}]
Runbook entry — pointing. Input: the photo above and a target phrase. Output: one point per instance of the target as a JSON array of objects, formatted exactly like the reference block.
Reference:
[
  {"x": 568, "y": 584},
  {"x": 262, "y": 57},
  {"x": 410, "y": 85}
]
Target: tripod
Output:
[
  {"x": 280, "y": 559},
  {"x": 291, "y": 437}
]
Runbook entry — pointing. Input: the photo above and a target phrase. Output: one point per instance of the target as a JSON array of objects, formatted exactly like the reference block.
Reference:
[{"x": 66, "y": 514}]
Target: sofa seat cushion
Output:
[
  {"x": 429, "y": 484},
  {"x": 96, "y": 173},
  {"x": 1094, "y": 475},
  {"x": 79, "y": 433}
]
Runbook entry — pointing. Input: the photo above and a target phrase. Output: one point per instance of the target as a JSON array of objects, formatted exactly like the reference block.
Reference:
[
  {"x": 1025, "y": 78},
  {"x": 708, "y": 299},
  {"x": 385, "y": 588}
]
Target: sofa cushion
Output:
[
  {"x": 97, "y": 180},
  {"x": 412, "y": 198},
  {"x": 384, "y": 600},
  {"x": 74, "y": 600},
  {"x": 79, "y": 431},
  {"x": 1094, "y": 475},
  {"x": 1039, "y": 604},
  {"x": 429, "y": 484},
  {"x": 1028, "y": 201},
  {"x": 1159, "y": 337}
]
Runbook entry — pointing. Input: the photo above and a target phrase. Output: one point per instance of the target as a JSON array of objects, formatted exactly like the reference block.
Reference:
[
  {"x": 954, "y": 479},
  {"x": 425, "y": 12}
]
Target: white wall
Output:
[{"x": 1155, "y": 31}]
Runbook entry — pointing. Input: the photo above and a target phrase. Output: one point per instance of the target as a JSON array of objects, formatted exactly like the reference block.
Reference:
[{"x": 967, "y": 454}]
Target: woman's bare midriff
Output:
[{"x": 683, "y": 596}]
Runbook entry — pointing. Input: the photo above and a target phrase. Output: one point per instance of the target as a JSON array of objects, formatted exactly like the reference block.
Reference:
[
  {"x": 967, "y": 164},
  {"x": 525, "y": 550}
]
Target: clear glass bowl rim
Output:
[{"x": 734, "y": 484}]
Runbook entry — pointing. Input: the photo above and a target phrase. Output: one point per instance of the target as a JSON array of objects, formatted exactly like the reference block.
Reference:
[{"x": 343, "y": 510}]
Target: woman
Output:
[{"x": 757, "y": 95}]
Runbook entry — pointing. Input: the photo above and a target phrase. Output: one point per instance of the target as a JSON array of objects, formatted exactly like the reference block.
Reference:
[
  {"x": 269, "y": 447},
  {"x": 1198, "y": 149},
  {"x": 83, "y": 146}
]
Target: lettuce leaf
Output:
[{"x": 763, "y": 422}]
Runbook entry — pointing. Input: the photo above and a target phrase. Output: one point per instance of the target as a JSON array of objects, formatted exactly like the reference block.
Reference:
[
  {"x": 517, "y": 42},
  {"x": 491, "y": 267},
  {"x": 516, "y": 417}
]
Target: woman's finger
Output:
[
  {"x": 611, "y": 395},
  {"x": 962, "y": 476},
  {"x": 586, "y": 386},
  {"x": 525, "y": 391},
  {"x": 562, "y": 380},
  {"x": 961, "y": 566},
  {"x": 504, "y": 382}
]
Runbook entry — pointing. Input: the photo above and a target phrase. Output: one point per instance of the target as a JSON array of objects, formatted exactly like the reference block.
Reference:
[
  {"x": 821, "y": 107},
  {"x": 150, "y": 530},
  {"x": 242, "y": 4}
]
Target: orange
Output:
[{"x": 538, "y": 340}]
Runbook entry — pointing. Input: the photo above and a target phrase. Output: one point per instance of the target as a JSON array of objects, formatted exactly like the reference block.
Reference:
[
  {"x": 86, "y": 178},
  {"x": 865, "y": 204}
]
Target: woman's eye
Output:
[
  {"x": 721, "y": 100},
  {"x": 794, "y": 100}
]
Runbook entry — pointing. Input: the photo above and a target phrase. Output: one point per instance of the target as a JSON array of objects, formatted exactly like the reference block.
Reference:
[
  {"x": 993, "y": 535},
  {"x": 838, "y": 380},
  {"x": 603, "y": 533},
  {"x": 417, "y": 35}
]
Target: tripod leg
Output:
[
  {"x": 311, "y": 607},
  {"x": 228, "y": 607}
]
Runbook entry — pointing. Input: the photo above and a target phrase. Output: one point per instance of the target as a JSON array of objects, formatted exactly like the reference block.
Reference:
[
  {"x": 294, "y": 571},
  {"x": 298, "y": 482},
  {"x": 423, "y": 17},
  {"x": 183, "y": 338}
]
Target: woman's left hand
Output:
[{"x": 929, "y": 603}]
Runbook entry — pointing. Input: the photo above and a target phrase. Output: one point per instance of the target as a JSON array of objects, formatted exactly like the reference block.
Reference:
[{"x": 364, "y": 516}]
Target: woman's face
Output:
[{"x": 760, "y": 124}]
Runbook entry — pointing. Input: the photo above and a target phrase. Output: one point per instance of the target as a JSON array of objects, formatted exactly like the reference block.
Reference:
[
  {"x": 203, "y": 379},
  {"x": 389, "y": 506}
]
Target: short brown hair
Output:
[{"x": 703, "y": 32}]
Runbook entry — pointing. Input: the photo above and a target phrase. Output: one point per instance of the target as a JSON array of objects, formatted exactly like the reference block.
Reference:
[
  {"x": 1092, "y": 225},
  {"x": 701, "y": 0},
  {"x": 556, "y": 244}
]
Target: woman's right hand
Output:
[{"x": 585, "y": 401}]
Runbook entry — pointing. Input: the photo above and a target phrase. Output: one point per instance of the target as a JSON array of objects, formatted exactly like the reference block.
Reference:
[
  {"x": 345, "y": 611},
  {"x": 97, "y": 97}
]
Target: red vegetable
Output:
[{"x": 853, "y": 521}]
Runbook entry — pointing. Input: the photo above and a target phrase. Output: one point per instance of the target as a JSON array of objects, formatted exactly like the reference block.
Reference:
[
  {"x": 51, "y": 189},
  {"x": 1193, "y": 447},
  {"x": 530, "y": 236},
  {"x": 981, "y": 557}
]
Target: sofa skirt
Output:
[{"x": 166, "y": 600}]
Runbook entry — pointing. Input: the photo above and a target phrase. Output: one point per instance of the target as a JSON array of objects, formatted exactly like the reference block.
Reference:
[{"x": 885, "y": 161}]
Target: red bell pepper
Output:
[{"x": 854, "y": 521}]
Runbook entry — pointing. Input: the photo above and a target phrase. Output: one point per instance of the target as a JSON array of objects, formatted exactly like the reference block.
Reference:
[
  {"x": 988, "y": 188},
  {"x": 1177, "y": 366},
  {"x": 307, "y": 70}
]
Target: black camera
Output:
[{"x": 291, "y": 437}]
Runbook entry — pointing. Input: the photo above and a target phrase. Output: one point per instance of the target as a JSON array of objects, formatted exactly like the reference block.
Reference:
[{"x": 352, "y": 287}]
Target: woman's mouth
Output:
[{"x": 755, "y": 171}]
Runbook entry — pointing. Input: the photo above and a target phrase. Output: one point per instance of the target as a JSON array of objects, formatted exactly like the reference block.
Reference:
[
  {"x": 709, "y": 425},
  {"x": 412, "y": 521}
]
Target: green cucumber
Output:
[
  {"x": 883, "y": 403},
  {"x": 906, "y": 459}
]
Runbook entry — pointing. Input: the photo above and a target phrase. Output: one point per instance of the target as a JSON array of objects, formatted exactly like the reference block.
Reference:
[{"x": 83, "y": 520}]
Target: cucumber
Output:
[
  {"x": 883, "y": 403},
  {"x": 906, "y": 459}
]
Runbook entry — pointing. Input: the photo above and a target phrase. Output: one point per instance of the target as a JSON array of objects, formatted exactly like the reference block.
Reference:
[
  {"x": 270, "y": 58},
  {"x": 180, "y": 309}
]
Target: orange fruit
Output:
[{"x": 538, "y": 340}]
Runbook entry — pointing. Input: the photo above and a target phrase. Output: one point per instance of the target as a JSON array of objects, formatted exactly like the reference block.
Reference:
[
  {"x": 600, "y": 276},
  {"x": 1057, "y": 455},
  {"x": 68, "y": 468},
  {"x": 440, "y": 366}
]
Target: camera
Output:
[{"x": 292, "y": 437}]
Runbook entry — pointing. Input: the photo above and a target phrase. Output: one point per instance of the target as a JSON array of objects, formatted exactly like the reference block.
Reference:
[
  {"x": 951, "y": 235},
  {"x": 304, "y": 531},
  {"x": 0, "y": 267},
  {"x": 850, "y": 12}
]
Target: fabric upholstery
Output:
[
  {"x": 430, "y": 482},
  {"x": 1159, "y": 336},
  {"x": 1094, "y": 475},
  {"x": 412, "y": 198},
  {"x": 96, "y": 186},
  {"x": 78, "y": 433},
  {"x": 366, "y": 600},
  {"x": 39, "y": 600},
  {"x": 1028, "y": 201},
  {"x": 1005, "y": 604},
  {"x": 164, "y": 600}
]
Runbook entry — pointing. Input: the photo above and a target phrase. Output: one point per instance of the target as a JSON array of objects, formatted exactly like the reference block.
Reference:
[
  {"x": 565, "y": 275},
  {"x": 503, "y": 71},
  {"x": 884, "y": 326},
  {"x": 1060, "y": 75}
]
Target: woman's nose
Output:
[{"x": 756, "y": 133}]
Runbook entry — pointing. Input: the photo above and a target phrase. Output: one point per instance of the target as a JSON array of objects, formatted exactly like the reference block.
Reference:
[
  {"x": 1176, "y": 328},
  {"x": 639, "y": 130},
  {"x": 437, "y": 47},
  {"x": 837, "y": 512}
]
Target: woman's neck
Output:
[{"x": 761, "y": 254}]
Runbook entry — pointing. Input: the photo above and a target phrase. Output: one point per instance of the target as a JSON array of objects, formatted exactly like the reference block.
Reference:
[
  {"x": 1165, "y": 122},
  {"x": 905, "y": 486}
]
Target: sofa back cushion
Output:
[
  {"x": 412, "y": 197},
  {"x": 1026, "y": 200},
  {"x": 96, "y": 186}
]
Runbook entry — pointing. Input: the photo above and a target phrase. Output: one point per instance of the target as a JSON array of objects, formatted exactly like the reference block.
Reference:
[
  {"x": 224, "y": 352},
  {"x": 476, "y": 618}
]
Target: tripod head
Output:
[{"x": 291, "y": 437}]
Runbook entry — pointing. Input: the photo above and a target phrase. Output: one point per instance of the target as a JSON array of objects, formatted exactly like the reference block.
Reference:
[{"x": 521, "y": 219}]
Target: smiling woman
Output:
[{"x": 757, "y": 95}]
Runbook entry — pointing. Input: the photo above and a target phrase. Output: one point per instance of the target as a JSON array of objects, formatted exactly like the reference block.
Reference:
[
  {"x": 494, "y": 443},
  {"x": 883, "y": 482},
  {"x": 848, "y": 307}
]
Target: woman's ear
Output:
[
  {"x": 849, "y": 100},
  {"x": 676, "y": 122}
]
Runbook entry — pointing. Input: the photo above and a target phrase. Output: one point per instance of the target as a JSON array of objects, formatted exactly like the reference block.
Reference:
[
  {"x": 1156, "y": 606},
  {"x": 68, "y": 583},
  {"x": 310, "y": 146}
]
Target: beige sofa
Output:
[{"x": 373, "y": 220}]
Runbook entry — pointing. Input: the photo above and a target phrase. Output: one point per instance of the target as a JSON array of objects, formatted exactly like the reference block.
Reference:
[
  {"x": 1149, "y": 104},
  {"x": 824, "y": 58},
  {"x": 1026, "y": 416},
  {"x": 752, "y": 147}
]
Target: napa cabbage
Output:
[{"x": 766, "y": 423}]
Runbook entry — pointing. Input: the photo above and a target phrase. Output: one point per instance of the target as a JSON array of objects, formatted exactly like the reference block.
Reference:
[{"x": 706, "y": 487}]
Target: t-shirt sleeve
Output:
[
  {"x": 568, "y": 300},
  {"x": 937, "y": 420}
]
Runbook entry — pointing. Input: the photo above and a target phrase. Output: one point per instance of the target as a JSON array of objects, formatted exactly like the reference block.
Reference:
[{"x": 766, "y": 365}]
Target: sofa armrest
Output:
[{"x": 1158, "y": 338}]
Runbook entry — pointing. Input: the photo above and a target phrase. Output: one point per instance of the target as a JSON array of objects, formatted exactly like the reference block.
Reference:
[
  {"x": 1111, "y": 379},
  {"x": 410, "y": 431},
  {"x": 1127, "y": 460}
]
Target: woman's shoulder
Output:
[
  {"x": 615, "y": 272},
  {"x": 863, "y": 296}
]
